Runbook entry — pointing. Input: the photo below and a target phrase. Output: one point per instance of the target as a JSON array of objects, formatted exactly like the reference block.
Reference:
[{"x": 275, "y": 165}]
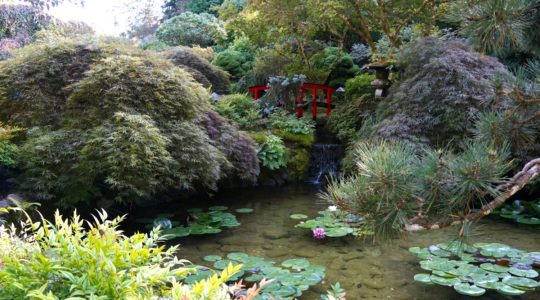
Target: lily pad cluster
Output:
[
  {"x": 472, "y": 270},
  {"x": 200, "y": 222},
  {"x": 336, "y": 223},
  {"x": 291, "y": 278},
  {"x": 521, "y": 212}
]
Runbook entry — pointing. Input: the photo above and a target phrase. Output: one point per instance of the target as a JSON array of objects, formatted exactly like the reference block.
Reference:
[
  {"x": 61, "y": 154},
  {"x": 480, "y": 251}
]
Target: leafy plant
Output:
[
  {"x": 472, "y": 270},
  {"x": 282, "y": 120},
  {"x": 359, "y": 86},
  {"x": 334, "y": 223},
  {"x": 349, "y": 116},
  {"x": 273, "y": 153},
  {"x": 241, "y": 109},
  {"x": 523, "y": 212},
  {"x": 336, "y": 292},
  {"x": 237, "y": 59},
  {"x": 8, "y": 150},
  {"x": 62, "y": 259},
  {"x": 288, "y": 281},
  {"x": 338, "y": 62}
]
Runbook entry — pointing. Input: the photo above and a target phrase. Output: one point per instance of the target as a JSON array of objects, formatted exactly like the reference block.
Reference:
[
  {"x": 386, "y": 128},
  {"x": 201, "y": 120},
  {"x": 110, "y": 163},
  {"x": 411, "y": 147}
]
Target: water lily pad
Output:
[
  {"x": 528, "y": 220},
  {"x": 244, "y": 210},
  {"x": 254, "y": 278},
  {"x": 177, "y": 232},
  {"x": 494, "y": 268},
  {"x": 423, "y": 278},
  {"x": 436, "y": 265},
  {"x": 508, "y": 290},
  {"x": 298, "y": 216},
  {"x": 296, "y": 263},
  {"x": 238, "y": 256},
  {"x": 445, "y": 281},
  {"x": 218, "y": 208},
  {"x": 521, "y": 283},
  {"x": 523, "y": 273},
  {"x": 482, "y": 279},
  {"x": 469, "y": 290},
  {"x": 338, "y": 232},
  {"x": 212, "y": 258},
  {"x": 223, "y": 264},
  {"x": 285, "y": 291}
]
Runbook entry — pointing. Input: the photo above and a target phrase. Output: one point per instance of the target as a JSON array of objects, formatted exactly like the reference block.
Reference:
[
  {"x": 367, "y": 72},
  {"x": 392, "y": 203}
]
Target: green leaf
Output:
[
  {"x": 469, "y": 290},
  {"x": 298, "y": 216},
  {"x": 296, "y": 263}
]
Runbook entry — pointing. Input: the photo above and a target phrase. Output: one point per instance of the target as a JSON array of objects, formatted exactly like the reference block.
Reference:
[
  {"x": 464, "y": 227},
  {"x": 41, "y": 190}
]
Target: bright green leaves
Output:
[
  {"x": 334, "y": 222},
  {"x": 273, "y": 154}
]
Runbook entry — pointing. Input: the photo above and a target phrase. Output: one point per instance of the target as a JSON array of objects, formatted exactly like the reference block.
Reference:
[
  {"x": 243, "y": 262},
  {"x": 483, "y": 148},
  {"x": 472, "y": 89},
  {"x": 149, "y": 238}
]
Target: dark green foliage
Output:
[
  {"x": 347, "y": 118},
  {"x": 114, "y": 122},
  {"x": 241, "y": 109},
  {"x": 201, "y": 69},
  {"x": 339, "y": 63},
  {"x": 443, "y": 85},
  {"x": 203, "y": 6},
  {"x": 359, "y": 86},
  {"x": 237, "y": 59},
  {"x": 188, "y": 29},
  {"x": 391, "y": 177}
]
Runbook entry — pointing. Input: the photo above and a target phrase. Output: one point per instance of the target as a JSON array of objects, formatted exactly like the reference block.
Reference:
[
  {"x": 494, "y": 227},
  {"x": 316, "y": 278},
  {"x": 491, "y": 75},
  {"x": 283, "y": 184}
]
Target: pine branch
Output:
[{"x": 510, "y": 188}]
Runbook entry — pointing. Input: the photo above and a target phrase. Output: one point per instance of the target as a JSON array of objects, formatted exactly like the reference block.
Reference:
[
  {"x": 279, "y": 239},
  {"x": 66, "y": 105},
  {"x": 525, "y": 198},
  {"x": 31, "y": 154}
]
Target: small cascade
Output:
[{"x": 325, "y": 161}]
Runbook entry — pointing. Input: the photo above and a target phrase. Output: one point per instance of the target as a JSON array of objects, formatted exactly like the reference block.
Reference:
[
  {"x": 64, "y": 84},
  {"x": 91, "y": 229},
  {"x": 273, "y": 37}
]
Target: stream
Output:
[{"x": 365, "y": 270}]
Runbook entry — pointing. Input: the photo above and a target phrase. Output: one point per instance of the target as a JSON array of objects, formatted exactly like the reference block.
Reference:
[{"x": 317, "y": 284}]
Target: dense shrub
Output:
[
  {"x": 359, "y": 85},
  {"x": 347, "y": 118},
  {"x": 188, "y": 29},
  {"x": 114, "y": 122},
  {"x": 241, "y": 109},
  {"x": 73, "y": 259},
  {"x": 21, "y": 22},
  {"x": 443, "y": 86},
  {"x": 237, "y": 59},
  {"x": 238, "y": 147},
  {"x": 340, "y": 63},
  {"x": 200, "y": 68}
]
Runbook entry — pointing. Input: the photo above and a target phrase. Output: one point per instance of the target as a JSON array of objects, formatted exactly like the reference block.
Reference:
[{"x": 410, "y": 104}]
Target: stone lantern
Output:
[{"x": 382, "y": 81}]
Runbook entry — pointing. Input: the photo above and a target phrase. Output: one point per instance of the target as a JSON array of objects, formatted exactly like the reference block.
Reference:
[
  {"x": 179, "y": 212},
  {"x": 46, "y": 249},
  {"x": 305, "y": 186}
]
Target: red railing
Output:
[{"x": 256, "y": 90}]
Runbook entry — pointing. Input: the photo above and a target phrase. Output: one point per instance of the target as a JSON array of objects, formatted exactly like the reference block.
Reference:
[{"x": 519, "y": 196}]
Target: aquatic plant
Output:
[
  {"x": 289, "y": 281},
  {"x": 333, "y": 222},
  {"x": 472, "y": 270},
  {"x": 318, "y": 233},
  {"x": 522, "y": 212},
  {"x": 200, "y": 222}
]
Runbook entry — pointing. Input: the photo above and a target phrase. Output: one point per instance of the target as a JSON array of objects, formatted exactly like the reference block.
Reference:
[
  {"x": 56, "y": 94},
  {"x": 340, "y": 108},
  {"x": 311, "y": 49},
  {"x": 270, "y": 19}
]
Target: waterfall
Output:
[{"x": 325, "y": 161}]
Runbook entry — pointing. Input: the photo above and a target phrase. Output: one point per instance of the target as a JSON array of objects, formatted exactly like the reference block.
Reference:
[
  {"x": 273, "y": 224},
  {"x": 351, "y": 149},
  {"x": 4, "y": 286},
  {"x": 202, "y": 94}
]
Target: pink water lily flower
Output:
[{"x": 319, "y": 233}]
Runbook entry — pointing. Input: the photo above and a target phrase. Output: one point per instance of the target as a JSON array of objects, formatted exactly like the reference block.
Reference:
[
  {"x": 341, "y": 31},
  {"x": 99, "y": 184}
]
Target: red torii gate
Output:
[{"x": 256, "y": 90}]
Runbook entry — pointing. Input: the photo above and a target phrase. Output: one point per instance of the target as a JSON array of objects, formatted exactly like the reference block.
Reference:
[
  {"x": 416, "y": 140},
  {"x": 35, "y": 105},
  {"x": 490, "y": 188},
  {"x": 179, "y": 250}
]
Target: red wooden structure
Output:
[{"x": 304, "y": 89}]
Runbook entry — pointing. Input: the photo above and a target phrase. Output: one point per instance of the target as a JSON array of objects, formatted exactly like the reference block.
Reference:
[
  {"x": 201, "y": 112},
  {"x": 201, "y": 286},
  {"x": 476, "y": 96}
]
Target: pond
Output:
[{"x": 365, "y": 270}]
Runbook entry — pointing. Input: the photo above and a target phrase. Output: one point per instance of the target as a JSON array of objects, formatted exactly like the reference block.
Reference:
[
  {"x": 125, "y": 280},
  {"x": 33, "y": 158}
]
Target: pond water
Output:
[{"x": 365, "y": 270}]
